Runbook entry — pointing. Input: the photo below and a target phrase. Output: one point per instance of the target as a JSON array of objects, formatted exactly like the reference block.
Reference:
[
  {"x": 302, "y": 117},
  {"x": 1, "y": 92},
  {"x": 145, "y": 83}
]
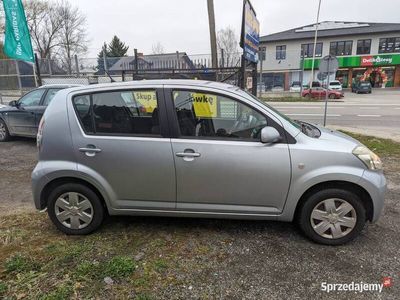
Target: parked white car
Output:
[
  {"x": 335, "y": 85},
  {"x": 295, "y": 87}
]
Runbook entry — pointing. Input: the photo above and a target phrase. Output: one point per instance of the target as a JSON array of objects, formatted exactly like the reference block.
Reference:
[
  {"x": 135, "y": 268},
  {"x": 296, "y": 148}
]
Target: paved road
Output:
[{"x": 378, "y": 112}]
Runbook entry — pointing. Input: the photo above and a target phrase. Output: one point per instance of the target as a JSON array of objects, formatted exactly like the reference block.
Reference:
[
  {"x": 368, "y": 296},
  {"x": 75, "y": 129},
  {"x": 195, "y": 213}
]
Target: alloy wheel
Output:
[
  {"x": 74, "y": 210},
  {"x": 333, "y": 218}
]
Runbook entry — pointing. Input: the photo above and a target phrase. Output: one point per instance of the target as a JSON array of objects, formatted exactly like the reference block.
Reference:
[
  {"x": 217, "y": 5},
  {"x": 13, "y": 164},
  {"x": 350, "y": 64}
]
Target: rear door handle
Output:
[{"x": 90, "y": 151}]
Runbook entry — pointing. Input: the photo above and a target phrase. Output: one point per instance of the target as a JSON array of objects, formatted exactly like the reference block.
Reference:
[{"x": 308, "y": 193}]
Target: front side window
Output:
[
  {"x": 363, "y": 47},
  {"x": 50, "y": 95},
  {"x": 211, "y": 116},
  {"x": 389, "y": 45},
  {"x": 119, "y": 113},
  {"x": 341, "y": 48},
  {"x": 281, "y": 52},
  {"x": 32, "y": 99}
]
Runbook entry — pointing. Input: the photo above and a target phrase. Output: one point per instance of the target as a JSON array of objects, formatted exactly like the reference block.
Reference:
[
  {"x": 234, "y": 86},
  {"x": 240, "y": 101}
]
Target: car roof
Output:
[
  {"x": 59, "y": 85},
  {"x": 132, "y": 84}
]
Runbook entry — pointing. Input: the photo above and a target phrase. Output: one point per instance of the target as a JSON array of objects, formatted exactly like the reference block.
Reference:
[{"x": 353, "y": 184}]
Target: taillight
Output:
[{"x": 40, "y": 133}]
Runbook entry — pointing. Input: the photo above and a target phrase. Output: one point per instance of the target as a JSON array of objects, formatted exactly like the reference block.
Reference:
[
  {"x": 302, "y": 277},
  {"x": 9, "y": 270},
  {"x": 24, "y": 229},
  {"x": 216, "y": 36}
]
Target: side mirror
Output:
[
  {"x": 270, "y": 135},
  {"x": 13, "y": 103}
]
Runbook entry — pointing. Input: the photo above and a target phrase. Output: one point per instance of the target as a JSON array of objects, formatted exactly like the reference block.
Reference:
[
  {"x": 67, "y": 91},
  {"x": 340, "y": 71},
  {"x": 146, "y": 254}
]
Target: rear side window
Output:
[{"x": 120, "y": 113}]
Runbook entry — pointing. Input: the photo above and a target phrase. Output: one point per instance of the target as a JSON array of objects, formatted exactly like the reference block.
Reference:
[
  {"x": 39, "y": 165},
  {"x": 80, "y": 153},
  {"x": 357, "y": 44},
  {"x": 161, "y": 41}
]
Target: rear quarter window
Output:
[{"x": 83, "y": 111}]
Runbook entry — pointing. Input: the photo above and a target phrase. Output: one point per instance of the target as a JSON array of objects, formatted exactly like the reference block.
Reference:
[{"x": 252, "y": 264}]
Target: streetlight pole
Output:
[{"x": 315, "y": 44}]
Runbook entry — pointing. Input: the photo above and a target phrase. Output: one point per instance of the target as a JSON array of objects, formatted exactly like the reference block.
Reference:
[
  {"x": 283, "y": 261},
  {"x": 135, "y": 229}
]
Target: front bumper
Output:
[{"x": 375, "y": 184}]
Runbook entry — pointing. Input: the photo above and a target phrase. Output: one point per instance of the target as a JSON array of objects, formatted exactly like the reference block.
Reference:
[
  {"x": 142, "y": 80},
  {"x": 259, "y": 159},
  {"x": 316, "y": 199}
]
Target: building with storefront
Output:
[{"x": 365, "y": 51}]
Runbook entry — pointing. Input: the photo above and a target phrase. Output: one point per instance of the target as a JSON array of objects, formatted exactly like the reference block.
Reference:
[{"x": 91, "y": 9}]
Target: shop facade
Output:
[
  {"x": 380, "y": 70},
  {"x": 365, "y": 51}
]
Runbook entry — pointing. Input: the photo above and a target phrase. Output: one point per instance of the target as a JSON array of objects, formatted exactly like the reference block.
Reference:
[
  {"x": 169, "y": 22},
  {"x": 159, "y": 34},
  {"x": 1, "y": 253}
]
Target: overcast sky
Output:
[{"x": 183, "y": 24}]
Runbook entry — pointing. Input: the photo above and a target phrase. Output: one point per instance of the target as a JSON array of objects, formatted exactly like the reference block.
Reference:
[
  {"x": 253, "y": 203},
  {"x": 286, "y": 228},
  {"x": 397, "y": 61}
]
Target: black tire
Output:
[
  {"x": 5, "y": 136},
  {"x": 98, "y": 208},
  {"x": 304, "y": 215},
  {"x": 332, "y": 96}
]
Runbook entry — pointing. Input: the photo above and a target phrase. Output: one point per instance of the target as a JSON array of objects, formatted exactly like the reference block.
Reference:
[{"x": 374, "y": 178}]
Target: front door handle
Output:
[
  {"x": 90, "y": 150},
  {"x": 188, "y": 154}
]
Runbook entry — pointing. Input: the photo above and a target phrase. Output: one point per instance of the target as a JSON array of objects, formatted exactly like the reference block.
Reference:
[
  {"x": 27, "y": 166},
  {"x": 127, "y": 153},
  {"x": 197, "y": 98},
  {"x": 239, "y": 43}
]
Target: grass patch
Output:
[
  {"x": 19, "y": 263},
  {"x": 47, "y": 264},
  {"x": 3, "y": 288},
  {"x": 382, "y": 147},
  {"x": 62, "y": 292}
]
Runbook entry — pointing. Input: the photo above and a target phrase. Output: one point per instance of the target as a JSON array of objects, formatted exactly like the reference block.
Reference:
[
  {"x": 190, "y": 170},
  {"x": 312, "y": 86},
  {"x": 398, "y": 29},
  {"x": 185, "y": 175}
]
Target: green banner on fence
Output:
[{"x": 17, "y": 42}]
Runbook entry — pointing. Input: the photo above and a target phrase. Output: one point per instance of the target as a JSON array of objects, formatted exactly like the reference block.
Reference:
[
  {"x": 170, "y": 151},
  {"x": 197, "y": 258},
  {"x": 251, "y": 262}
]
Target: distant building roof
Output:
[
  {"x": 332, "y": 29},
  {"x": 154, "y": 61}
]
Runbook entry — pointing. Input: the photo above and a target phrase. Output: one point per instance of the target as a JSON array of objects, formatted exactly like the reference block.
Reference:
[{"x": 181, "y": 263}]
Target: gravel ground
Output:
[{"x": 248, "y": 259}]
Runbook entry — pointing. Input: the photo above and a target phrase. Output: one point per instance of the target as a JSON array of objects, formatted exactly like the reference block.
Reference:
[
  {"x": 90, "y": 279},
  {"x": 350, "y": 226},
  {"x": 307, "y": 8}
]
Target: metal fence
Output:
[
  {"x": 21, "y": 76},
  {"x": 276, "y": 75}
]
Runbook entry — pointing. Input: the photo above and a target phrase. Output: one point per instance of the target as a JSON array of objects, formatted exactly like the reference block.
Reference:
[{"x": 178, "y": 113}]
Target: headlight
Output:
[{"x": 369, "y": 158}]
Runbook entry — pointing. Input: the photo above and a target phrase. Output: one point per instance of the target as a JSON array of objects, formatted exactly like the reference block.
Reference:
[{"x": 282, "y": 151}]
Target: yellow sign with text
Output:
[
  {"x": 205, "y": 105},
  {"x": 148, "y": 99}
]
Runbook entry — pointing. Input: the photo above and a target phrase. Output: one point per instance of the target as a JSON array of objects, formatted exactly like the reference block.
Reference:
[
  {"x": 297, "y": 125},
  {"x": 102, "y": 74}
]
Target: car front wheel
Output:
[
  {"x": 75, "y": 209},
  {"x": 332, "y": 216},
  {"x": 4, "y": 133}
]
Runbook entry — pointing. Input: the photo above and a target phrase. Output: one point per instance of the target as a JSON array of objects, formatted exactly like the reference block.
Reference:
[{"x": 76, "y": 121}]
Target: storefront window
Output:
[
  {"x": 274, "y": 81},
  {"x": 343, "y": 77}
]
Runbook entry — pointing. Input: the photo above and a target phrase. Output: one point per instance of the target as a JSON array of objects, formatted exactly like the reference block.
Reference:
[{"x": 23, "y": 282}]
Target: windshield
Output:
[
  {"x": 335, "y": 83},
  {"x": 365, "y": 84},
  {"x": 291, "y": 121}
]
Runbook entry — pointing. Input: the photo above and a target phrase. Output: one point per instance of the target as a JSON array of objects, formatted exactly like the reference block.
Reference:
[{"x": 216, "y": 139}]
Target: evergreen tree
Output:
[{"x": 117, "y": 48}]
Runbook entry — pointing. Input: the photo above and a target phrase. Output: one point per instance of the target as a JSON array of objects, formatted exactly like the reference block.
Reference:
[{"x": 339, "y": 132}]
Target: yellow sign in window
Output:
[
  {"x": 205, "y": 105},
  {"x": 148, "y": 99}
]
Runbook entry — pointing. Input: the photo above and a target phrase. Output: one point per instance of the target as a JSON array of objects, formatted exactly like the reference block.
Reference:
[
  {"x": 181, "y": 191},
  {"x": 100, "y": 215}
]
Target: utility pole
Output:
[
  {"x": 213, "y": 36},
  {"x": 315, "y": 45}
]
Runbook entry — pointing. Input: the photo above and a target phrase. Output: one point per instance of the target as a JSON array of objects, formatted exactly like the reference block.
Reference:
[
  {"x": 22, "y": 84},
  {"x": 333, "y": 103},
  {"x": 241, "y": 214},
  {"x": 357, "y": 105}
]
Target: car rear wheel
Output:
[
  {"x": 332, "y": 216},
  {"x": 75, "y": 209},
  {"x": 4, "y": 133},
  {"x": 332, "y": 96}
]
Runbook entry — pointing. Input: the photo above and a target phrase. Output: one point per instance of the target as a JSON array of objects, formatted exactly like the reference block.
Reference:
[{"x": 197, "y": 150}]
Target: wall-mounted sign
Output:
[
  {"x": 359, "y": 61},
  {"x": 377, "y": 60},
  {"x": 250, "y": 38}
]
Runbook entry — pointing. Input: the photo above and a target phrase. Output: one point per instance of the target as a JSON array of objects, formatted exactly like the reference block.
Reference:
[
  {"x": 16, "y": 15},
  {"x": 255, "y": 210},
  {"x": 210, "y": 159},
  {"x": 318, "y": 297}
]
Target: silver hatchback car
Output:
[{"x": 192, "y": 148}]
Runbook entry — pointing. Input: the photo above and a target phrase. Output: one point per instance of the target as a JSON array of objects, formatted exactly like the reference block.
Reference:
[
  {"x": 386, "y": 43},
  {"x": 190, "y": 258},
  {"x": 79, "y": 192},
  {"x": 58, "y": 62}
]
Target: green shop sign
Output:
[{"x": 359, "y": 61}]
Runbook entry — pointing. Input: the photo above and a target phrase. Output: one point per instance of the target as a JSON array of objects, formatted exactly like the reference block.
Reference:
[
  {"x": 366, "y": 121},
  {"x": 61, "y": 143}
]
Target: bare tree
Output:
[
  {"x": 72, "y": 38},
  {"x": 157, "y": 48},
  {"x": 227, "y": 41},
  {"x": 45, "y": 24}
]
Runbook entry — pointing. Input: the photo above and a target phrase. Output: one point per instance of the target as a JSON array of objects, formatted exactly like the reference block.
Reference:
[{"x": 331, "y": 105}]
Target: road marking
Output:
[
  {"x": 369, "y": 107},
  {"x": 313, "y": 115},
  {"x": 296, "y": 107},
  {"x": 373, "y": 116}
]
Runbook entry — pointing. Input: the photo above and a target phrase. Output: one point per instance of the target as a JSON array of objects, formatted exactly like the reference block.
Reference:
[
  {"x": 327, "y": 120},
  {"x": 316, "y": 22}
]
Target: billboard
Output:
[{"x": 250, "y": 39}]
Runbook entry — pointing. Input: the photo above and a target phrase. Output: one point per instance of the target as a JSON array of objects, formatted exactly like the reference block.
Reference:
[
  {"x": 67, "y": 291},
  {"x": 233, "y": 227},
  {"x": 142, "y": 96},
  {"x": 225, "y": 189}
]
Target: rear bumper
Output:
[
  {"x": 375, "y": 184},
  {"x": 38, "y": 181}
]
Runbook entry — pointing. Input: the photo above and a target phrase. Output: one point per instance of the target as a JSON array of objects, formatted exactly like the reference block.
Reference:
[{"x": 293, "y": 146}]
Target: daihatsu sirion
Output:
[{"x": 198, "y": 149}]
